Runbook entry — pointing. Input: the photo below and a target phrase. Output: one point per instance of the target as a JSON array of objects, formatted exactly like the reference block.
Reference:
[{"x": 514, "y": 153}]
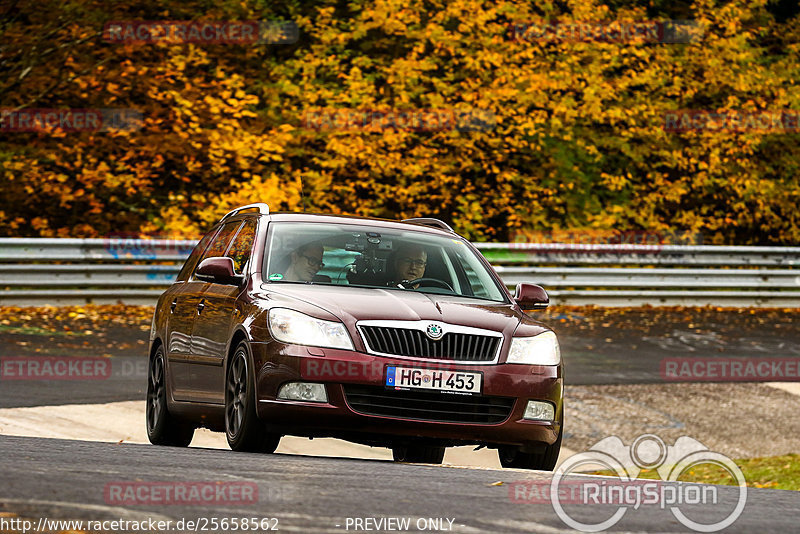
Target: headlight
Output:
[
  {"x": 289, "y": 326},
  {"x": 536, "y": 350}
]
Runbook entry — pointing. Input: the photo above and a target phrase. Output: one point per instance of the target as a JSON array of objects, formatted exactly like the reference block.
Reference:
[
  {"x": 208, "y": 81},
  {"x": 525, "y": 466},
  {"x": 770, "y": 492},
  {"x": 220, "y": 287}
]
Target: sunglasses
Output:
[{"x": 314, "y": 262}]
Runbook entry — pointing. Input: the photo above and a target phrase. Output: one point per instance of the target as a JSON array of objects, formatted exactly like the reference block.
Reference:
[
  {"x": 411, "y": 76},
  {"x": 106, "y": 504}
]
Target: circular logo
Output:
[
  {"x": 434, "y": 331},
  {"x": 646, "y": 452}
]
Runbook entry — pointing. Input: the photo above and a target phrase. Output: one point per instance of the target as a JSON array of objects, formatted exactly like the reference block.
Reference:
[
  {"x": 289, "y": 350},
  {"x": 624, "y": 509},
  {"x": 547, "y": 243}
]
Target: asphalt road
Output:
[
  {"x": 599, "y": 347},
  {"x": 60, "y": 479},
  {"x": 65, "y": 479}
]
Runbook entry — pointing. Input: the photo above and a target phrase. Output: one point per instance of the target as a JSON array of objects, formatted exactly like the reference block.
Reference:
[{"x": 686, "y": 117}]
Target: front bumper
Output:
[{"x": 340, "y": 370}]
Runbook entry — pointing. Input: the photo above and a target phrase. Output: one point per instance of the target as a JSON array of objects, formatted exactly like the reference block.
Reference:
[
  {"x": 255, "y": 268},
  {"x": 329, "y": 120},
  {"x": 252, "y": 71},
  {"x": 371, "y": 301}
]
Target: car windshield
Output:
[{"x": 373, "y": 256}]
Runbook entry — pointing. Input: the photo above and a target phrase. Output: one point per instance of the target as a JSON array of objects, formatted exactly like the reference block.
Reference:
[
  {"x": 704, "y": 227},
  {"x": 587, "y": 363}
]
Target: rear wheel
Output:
[
  {"x": 415, "y": 453},
  {"x": 162, "y": 427},
  {"x": 542, "y": 461},
  {"x": 245, "y": 432}
]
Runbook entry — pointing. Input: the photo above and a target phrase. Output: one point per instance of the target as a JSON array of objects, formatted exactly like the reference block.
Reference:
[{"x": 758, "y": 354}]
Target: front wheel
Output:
[
  {"x": 419, "y": 454},
  {"x": 242, "y": 427},
  {"x": 542, "y": 461},
  {"x": 162, "y": 427}
]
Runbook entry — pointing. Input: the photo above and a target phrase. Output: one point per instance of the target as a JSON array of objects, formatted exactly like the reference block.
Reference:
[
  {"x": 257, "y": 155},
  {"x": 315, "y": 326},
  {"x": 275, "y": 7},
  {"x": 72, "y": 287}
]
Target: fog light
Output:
[
  {"x": 539, "y": 411},
  {"x": 303, "y": 391}
]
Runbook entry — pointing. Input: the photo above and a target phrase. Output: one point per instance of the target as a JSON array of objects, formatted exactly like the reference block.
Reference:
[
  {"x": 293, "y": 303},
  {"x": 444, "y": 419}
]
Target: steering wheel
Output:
[{"x": 409, "y": 284}]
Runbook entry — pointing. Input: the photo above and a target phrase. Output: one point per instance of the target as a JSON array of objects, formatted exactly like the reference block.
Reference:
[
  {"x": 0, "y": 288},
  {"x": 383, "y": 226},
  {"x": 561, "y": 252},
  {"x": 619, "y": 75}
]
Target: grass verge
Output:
[{"x": 774, "y": 472}]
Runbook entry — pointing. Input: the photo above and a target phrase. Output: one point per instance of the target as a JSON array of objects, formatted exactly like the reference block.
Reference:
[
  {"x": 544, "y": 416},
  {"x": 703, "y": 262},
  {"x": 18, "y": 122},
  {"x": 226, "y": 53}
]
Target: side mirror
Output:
[
  {"x": 219, "y": 270},
  {"x": 531, "y": 297}
]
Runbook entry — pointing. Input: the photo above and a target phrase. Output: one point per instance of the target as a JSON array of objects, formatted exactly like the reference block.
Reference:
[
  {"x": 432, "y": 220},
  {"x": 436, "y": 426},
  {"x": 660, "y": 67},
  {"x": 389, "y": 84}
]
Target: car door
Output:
[
  {"x": 213, "y": 328},
  {"x": 188, "y": 368},
  {"x": 182, "y": 299}
]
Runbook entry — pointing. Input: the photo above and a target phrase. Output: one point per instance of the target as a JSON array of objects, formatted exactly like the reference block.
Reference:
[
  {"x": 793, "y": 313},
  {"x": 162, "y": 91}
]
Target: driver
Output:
[
  {"x": 408, "y": 264},
  {"x": 305, "y": 262}
]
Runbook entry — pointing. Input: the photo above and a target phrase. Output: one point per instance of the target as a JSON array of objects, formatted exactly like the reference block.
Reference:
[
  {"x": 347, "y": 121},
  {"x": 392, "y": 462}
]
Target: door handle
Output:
[
  {"x": 173, "y": 305},
  {"x": 201, "y": 306}
]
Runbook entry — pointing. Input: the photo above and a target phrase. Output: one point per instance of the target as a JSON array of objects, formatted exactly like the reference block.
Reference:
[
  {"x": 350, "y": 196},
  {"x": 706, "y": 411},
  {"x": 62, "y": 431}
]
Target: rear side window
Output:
[
  {"x": 242, "y": 246},
  {"x": 221, "y": 241},
  {"x": 191, "y": 261}
]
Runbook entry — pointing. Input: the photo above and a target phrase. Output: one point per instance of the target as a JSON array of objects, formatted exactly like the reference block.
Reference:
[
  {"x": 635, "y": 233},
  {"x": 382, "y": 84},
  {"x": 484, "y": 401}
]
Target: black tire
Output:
[
  {"x": 162, "y": 427},
  {"x": 418, "y": 454},
  {"x": 543, "y": 461},
  {"x": 245, "y": 432}
]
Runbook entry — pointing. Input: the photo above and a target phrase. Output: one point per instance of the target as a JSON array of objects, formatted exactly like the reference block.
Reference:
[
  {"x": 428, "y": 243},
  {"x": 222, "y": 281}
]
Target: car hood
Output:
[{"x": 352, "y": 304}]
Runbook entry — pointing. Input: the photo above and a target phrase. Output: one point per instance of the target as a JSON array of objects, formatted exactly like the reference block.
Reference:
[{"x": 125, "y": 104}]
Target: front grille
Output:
[
  {"x": 414, "y": 343},
  {"x": 428, "y": 406}
]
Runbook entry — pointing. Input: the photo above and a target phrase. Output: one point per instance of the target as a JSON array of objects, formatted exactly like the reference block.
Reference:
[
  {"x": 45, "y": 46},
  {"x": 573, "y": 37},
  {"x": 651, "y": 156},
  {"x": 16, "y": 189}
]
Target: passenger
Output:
[
  {"x": 408, "y": 263},
  {"x": 305, "y": 261}
]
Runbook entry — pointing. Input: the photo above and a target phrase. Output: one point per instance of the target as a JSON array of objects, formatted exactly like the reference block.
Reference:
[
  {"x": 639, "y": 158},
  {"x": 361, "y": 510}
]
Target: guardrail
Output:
[
  {"x": 136, "y": 271},
  {"x": 656, "y": 275}
]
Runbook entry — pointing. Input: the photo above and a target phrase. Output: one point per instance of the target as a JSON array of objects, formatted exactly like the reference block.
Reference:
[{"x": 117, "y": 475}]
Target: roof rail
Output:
[
  {"x": 263, "y": 209},
  {"x": 430, "y": 221}
]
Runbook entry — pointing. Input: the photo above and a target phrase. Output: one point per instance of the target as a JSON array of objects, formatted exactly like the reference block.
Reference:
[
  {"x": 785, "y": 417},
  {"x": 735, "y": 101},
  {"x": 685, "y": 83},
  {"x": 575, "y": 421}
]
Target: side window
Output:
[
  {"x": 193, "y": 258},
  {"x": 221, "y": 241},
  {"x": 242, "y": 246}
]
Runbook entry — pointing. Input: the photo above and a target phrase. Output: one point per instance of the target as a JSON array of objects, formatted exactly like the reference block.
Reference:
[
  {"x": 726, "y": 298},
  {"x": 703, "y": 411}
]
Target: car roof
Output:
[{"x": 285, "y": 216}]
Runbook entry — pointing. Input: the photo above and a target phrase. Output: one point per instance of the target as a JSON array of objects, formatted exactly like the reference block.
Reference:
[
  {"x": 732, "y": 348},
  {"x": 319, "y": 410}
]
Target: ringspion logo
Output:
[{"x": 646, "y": 452}]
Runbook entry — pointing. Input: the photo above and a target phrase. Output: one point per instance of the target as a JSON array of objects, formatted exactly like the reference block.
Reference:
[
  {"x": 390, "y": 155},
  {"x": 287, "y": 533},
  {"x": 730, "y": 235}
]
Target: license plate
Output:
[{"x": 436, "y": 379}]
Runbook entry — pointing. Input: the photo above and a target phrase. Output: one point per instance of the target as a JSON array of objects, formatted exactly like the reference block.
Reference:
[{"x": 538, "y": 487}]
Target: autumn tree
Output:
[{"x": 573, "y": 136}]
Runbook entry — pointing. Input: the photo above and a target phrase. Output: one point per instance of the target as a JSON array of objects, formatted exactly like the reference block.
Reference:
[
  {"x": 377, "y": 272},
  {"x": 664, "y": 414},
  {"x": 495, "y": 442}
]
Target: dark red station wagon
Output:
[{"x": 386, "y": 333}]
